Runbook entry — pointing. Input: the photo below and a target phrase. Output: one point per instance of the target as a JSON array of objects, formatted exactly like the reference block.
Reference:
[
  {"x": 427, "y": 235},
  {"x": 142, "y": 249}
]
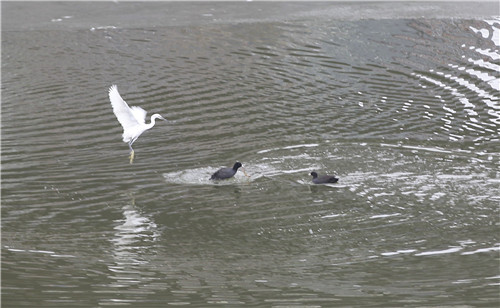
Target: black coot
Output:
[
  {"x": 323, "y": 179},
  {"x": 226, "y": 173}
]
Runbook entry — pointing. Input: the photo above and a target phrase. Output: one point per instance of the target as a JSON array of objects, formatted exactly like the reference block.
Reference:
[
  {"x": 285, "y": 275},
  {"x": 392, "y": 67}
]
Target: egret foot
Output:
[{"x": 131, "y": 157}]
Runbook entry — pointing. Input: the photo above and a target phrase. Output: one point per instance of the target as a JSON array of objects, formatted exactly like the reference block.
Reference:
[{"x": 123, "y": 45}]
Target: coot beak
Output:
[{"x": 244, "y": 172}]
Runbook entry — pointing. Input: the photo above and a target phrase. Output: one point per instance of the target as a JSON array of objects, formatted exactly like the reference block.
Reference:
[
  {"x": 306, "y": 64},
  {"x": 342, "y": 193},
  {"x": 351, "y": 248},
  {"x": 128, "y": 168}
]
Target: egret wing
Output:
[
  {"x": 139, "y": 114},
  {"x": 122, "y": 111}
]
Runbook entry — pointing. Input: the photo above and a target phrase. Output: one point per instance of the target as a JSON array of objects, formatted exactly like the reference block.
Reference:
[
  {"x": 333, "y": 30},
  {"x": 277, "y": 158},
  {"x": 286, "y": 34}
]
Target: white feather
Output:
[
  {"x": 133, "y": 120},
  {"x": 139, "y": 114},
  {"x": 122, "y": 111}
]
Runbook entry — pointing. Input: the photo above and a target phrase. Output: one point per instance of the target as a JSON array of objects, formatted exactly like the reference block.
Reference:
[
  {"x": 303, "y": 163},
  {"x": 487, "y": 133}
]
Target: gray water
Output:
[{"x": 400, "y": 101}]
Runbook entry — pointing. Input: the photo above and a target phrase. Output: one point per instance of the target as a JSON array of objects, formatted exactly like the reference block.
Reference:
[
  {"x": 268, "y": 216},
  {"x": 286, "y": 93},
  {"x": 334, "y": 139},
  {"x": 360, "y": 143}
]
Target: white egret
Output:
[{"x": 132, "y": 119}]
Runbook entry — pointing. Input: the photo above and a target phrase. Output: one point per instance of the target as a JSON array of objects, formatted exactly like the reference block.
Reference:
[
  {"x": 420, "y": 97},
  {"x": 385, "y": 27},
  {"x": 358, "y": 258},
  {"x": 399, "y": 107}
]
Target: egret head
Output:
[{"x": 157, "y": 116}]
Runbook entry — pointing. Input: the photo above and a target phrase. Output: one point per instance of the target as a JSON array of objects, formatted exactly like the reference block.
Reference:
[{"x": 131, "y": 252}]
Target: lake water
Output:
[{"x": 400, "y": 101}]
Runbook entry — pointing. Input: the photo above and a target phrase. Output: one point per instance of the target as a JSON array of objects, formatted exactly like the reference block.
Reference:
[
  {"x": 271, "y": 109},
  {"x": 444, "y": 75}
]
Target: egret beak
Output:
[
  {"x": 169, "y": 121},
  {"x": 162, "y": 118}
]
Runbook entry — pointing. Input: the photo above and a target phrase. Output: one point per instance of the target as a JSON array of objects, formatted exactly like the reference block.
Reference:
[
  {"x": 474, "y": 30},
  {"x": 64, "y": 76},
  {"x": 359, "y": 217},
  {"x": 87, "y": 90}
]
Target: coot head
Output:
[{"x": 237, "y": 165}]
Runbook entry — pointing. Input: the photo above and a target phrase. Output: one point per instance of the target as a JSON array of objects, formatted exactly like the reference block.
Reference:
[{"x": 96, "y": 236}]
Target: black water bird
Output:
[
  {"x": 226, "y": 173},
  {"x": 323, "y": 179}
]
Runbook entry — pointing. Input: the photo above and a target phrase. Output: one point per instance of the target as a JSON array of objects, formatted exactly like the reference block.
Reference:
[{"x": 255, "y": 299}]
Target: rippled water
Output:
[{"x": 403, "y": 109}]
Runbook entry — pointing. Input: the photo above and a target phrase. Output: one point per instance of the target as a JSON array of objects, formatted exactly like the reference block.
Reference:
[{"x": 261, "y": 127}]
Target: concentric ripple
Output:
[{"x": 403, "y": 109}]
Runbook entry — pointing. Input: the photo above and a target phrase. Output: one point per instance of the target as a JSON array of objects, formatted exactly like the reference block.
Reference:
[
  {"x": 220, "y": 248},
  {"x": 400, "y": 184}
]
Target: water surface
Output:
[{"x": 399, "y": 101}]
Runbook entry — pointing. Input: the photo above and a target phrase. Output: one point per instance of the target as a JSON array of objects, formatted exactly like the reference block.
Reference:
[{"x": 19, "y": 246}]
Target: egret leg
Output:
[
  {"x": 131, "y": 156},
  {"x": 131, "y": 152}
]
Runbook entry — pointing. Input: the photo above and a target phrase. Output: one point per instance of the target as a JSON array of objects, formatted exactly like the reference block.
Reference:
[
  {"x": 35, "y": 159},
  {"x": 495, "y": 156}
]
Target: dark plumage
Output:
[
  {"x": 323, "y": 179},
  {"x": 226, "y": 173}
]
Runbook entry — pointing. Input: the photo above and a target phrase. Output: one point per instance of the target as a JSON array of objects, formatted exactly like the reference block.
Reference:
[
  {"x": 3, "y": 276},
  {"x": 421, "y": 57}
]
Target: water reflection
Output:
[
  {"x": 404, "y": 111},
  {"x": 133, "y": 230},
  {"x": 133, "y": 245}
]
